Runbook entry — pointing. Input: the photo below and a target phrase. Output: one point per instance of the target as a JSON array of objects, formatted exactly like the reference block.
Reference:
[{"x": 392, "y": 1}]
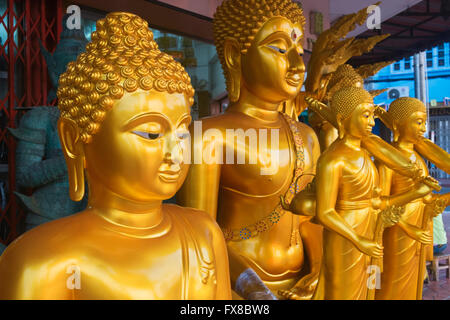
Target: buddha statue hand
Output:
[
  {"x": 437, "y": 206},
  {"x": 250, "y": 287},
  {"x": 423, "y": 236},
  {"x": 426, "y": 185},
  {"x": 391, "y": 215},
  {"x": 369, "y": 247},
  {"x": 303, "y": 290}
]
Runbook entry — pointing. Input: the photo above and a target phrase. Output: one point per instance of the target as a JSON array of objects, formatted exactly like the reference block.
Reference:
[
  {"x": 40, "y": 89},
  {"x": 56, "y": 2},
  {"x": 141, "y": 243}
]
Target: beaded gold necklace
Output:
[{"x": 274, "y": 217}]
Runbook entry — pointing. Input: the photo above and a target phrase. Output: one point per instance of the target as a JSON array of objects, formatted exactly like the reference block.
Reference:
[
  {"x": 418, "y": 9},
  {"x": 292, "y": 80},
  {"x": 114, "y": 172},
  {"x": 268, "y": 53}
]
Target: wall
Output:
[
  {"x": 319, "y": 6},
  {"x": 202, "y": 7},
  {"x": 208, "y": 7}
]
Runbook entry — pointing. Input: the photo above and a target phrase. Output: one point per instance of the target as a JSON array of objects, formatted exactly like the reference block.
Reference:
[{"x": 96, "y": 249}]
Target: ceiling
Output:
[
  {"x": 388, "y": 9},
  {"x": 418, "y": 28}
]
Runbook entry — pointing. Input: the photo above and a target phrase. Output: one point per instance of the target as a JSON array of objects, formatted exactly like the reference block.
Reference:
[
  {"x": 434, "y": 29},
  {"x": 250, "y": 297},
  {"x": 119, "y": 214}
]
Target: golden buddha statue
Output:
[
  {"x": 259, "y": 44},
  {"x": 125, "y": 112},
  {"x": 344, "y": 76},
  {"x": 347, "y": 201},
  {"x": 404, "y": 243}
]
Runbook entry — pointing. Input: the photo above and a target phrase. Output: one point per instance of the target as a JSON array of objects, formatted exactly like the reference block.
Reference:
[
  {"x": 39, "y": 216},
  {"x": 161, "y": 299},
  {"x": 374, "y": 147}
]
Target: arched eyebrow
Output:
[
  {"x": 275, "y": 36},
  {"x": 146, "y": 117},
  {"x": 186, "y": 118}
]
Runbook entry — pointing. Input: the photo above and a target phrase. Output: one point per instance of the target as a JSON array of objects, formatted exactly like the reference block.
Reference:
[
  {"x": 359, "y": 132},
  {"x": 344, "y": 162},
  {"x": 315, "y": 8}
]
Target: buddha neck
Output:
[
  {"x": 256, "y": 107},
  {"x": 123, "y": 212},
  {"x": 405, "y": 144},
  {"x": 352, "y": 142}
]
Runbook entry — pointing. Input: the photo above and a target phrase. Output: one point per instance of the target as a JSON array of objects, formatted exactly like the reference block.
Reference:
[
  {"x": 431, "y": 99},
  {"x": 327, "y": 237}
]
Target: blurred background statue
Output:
[{"x": 40, "y": 161}]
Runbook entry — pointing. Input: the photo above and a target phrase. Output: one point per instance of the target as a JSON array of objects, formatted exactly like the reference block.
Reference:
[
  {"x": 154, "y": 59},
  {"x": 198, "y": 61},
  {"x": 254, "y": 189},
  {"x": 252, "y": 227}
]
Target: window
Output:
[
  {"x": 430, "y": 58},
  {"x": 397, "y": 66},
  {"x": 408, "y": 63},
  {"x": 441, "y": 55}
]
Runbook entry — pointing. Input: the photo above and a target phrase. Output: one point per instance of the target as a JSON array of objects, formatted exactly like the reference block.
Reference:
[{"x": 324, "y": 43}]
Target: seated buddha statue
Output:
[
  {"x": 125, "y": 112},
  {"x": 347, "y": 201},
  {"x": 404, "y": 243},
  {"x": 259, "y": 44}
]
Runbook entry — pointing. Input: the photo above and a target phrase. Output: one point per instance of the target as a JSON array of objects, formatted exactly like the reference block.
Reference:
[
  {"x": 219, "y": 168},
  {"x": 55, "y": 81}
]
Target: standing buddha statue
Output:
[
  {"x": 404, "y": 243},
  {"x": 125, "y": 112},
  {"x": 344, "y": 76},
  {"x": 347, "y": 201},
  {"x": 259, "y": 44}
]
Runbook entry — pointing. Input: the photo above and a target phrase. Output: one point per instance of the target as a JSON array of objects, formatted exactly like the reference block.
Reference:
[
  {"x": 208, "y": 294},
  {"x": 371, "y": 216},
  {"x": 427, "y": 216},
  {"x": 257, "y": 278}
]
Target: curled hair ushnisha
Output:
[
  {"x": 242, "y": 19},
  {"x": 345, "y": 100},
  {"x": 403, "y": 107},
  {"x": 121, "y": 57},
  {"x": 345, "y": 76}
]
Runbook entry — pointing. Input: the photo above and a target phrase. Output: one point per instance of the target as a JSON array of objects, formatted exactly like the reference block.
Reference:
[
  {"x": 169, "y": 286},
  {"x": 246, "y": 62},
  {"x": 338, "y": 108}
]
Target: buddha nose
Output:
[
  {"x": 296, "y": 63},
  {"x": 173, "y": 152}
]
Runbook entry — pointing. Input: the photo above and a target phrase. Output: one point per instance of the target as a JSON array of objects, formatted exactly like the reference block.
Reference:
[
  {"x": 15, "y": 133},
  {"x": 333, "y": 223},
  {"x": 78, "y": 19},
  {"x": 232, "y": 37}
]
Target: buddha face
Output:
[
  {"x": 273, "y": 68},
  {"x": 138, "y": 151},
  {"x": 360, "y": 123},
  {"x": 413, "y": 128}
]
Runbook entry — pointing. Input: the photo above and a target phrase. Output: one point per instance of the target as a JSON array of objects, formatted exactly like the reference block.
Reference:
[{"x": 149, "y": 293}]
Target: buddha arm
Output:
[
  {"x": 21, "y": 280},
  {"x": 223, "y": 291},
  {"x": 385, "y": 185},
  {"x": 200, "y": 191},
  {"x": 446, "y": 198},
  {"x": 434, "y": 153},
  {"x": 389, "y": 156},
  {"x": 386, "y": 199},
  {"x": 201, "y": 187},
  {"x": 414, "y": 232},
  {"x": 327, "y": 187},
  {"x": 311, "y": 233}
]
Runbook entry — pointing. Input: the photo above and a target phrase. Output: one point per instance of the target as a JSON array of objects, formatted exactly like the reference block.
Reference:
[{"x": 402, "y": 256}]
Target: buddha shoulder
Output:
[
  {"x": 308, "y": 135},
  {"x": 38, "y": 260},
  {"x": 196, "y": 220},
  {"x": 220, "y": 122},
  {"x": 45, "y": 240},
  {"x": 334, "y": 155}
]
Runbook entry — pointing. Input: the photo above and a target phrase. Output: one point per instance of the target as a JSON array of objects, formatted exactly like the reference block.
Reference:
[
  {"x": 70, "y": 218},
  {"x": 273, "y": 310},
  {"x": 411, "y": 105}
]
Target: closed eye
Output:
[
  {"x": 183, "y": 135},
  {"x": 148, "y": 135},
  {"x": 277, "y": 49}
]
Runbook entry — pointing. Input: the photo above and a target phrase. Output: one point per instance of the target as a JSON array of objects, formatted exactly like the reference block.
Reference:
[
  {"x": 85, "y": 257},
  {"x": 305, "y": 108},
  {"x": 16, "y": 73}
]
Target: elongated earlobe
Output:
[
  {"x": 395, "y": 132},
  {"x": 72, "y": 147},
  {"x": 341, "y": 129},
  {"x": 232, "y": 54}
]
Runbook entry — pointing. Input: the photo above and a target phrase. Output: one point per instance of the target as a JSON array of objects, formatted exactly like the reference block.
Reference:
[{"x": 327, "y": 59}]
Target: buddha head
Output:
[
  {"x": 125, "y": 112},
  {"x": 408, "y": 117},
  {"x": 259, "y": 44},
  {"x": 344, "y": 76},
  {"x": 354, "y": 111}
]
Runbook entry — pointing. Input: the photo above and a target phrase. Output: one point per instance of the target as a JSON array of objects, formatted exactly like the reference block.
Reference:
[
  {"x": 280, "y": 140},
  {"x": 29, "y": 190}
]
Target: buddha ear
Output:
[
  {"x": 232, "y": 56},
  {"x": 73, "y": 149},
  {"x": 395, "y": 131},
  {"x": 340, "y": 123}
]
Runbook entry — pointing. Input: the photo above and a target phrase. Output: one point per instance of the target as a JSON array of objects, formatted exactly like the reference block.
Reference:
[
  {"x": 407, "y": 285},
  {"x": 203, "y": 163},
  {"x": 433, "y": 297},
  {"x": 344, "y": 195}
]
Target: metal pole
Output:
[{"x": 420, "y": 80}]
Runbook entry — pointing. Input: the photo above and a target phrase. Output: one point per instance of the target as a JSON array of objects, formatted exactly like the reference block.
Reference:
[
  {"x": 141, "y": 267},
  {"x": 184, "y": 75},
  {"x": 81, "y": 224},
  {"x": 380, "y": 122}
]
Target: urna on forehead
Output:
[
  {"x": 241, "y": 20},
  {"x": 122, "y": 57}
]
